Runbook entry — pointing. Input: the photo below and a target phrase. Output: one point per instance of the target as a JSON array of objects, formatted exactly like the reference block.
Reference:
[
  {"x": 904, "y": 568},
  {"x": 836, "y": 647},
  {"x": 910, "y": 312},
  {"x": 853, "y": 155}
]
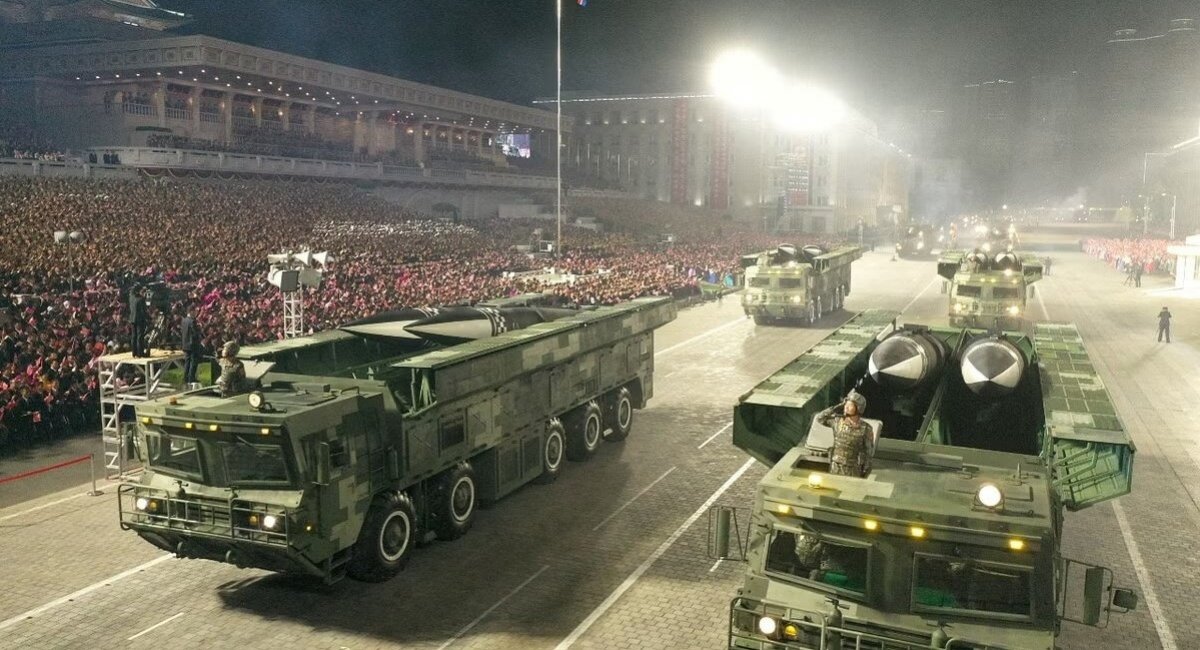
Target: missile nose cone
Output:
[
  {"x": 992, "y": 367},
  {"x": 904, "y": 361}
]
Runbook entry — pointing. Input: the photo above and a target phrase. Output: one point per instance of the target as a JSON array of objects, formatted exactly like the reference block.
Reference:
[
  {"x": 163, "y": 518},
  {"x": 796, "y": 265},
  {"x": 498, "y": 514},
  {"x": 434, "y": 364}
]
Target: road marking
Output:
[
  {"x": 467, "y": 628},
  {"x": 710, "y": 438},
  {"x": 644, "y": 566},
  {"x": 700, "y": 336},
  {"x": 635, "y": 498},
  {"x": 82, "y": 592},
  {"x": 918, "y": 296},
  {"x": 716, "y": 564},
  {"x": 44, "y": 505},
  {"x": 155, "y": 626},
  {"x": 1165, "y": 637}
]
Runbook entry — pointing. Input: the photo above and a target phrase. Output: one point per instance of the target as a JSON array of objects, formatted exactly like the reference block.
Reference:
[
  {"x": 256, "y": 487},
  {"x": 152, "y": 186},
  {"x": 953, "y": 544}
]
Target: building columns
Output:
[{"x": 256, "y": 105}]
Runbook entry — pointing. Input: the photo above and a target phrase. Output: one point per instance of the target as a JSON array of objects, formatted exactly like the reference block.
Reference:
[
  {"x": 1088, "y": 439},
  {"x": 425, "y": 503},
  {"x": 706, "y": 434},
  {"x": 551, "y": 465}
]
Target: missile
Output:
[
  {"x": 1007, "y": 260},
  {"x": 390, "y": 324},
  {"x": 992, "y": 366},
  {"x": 906, "y": 360},
  {"x": 451, "y": 327}
]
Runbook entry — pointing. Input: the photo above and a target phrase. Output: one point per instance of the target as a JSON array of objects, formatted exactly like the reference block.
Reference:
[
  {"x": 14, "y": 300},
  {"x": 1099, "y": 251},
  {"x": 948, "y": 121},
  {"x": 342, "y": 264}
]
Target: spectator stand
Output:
[{"x": 126, "y": 381}]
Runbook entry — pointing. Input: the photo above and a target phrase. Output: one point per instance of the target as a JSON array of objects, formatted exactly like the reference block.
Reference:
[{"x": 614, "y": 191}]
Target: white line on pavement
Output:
[
  {"x": 716, "y": 564},
  {"x": 697, "y": 337},
  {"x": 1165, "y": 637},
  {"x": 1042, "y": 304},
  {"x": 155, "y": 626},
  {"x": 44, "y": 505},
  {"x": 710, "y": 438},
  {"x": 635, "y": 498},
  {"x": 86, "y": 590},
  {"x": 467, "y": 628},
  {"x": 918, "y": 296},
  {"x": 644, "y": 566}
]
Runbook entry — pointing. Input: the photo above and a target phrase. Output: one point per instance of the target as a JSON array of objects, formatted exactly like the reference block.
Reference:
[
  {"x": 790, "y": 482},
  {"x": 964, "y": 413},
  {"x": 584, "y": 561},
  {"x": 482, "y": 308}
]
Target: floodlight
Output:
[
  {"x": 804, "y": 109},
  {"x": 744, "y": 79},
  {"x": 60, "y": 237}
]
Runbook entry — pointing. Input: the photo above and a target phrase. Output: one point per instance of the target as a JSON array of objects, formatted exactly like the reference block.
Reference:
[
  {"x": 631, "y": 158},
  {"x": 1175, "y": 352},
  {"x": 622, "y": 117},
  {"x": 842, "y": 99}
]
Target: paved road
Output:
[{"x": 605, "y": 557}]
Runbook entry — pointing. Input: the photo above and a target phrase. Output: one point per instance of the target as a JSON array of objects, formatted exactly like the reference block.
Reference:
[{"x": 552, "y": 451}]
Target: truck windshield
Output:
[
  {"x": 247, "y": 462},
  {"x": 760, "y": 282},
  {"x": 946, "y": 583},
  {"x": 791, "y": 283},
  {"x": 174, "y": 454},
  {"x": 796, "y": 555},
  {"x": 1006, "y": 293},
  {"x": 968, "y": 290}
]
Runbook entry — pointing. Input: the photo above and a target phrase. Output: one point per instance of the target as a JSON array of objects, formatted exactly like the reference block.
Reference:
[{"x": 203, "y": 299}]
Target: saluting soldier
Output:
[
  {"x": 853, "y": 439},
  {"x": 233, "y": 373}
]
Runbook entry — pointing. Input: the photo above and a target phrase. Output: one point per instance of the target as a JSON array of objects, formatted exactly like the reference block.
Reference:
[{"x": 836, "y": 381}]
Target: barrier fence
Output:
[{"x": 89, "y": 458}]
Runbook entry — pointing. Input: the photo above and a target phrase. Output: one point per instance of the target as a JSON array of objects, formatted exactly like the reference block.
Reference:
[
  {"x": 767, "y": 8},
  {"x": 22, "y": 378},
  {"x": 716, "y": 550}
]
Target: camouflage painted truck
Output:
[
  {"x": 988, "y": 290},
  {"x": 796, "y": 285},
  {"x": 346, "y": 457},
  {"x": 954, "y": 537}
]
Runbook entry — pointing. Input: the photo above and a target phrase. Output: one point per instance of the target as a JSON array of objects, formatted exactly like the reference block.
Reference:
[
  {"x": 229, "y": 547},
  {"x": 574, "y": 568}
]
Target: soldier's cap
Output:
[{"x": 858, "y": 399}]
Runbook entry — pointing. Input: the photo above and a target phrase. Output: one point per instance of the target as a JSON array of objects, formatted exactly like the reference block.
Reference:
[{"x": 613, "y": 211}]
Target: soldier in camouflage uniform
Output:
[
  {"x": 233, "y": 374},
  {"x": 853, "y": 440}
]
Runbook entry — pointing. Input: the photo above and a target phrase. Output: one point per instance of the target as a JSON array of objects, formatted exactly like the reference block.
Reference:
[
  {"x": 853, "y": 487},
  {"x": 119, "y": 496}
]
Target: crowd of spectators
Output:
[
  {"x": 64, "y": 305},
  {"x": 1124, "y": 255}
]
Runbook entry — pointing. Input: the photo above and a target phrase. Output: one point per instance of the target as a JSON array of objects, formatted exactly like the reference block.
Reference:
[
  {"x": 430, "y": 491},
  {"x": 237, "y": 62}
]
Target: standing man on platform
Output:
[
  {"x": 138, "y": 319},
  {"x": 189, "y": 343},
  {"x": 1164, "y": 324}
]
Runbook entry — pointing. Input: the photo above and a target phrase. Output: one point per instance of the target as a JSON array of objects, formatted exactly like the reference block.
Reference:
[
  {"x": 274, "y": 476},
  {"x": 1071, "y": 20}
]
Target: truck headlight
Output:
[
  {"x": 958, "y": 307},
  {"x": 142, "y": 503},
  {"x": 1014, "y": 310},
  {"x": 796, "y": 300},
  {"x": 767, "y": 625},
  {"x": 270, "y": 522},
  {"x": 920, "y": 245}
]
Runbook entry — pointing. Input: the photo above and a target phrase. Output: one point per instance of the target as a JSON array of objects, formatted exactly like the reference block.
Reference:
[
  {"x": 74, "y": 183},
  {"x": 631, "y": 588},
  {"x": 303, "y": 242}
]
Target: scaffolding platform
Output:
[{"x": 125, "y": 382}]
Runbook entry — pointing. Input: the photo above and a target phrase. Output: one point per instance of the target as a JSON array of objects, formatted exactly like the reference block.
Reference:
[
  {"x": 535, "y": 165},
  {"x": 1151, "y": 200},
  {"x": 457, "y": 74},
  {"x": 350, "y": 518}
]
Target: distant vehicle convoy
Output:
[
  {"x": 794, "y": 285},
  {"x": 988, "y": 290}
]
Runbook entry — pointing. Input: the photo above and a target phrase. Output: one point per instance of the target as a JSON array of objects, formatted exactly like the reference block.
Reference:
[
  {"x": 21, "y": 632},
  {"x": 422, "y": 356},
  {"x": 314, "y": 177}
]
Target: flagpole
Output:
[{"x": 558, "y": 132}]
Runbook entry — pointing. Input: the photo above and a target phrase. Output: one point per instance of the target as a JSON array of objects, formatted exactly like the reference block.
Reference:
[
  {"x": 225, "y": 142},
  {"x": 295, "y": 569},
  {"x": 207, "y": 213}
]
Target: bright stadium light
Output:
[
  {"x": 744, "y": 79},
  {"x": 802, "y": 108}
]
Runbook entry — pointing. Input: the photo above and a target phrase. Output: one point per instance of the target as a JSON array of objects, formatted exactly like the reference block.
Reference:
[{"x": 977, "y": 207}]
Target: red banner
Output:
[
  {"x": 679, "y": 153},
  {"x": 798, "y": 176},
  {"x": 718, "y": 170}
]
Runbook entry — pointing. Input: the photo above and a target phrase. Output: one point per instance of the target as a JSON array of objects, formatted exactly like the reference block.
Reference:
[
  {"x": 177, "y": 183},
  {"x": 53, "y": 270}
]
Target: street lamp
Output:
[
  {"x": 75, "y": 237},
  {"x": 292, "y": 273}
]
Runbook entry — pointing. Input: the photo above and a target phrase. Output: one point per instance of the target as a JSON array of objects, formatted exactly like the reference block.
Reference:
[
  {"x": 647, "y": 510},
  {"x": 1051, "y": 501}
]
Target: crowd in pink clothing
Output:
[{"x": 1126, "y": 254}]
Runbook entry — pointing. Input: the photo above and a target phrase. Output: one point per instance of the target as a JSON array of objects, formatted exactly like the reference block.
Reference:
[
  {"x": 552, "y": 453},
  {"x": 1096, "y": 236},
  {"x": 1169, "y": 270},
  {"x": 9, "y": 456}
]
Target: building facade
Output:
[{"x": 689, "y": 149}]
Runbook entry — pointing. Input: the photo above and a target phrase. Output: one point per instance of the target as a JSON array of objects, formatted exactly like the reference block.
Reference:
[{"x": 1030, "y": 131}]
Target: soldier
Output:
[
  {"x": 233, "y": 374},
  {"x": 853, "y": 439},
  {"x": 189, "y": 341},
  {"x": 1164, "y": 324},
  {"x": 138, "y": 320}
]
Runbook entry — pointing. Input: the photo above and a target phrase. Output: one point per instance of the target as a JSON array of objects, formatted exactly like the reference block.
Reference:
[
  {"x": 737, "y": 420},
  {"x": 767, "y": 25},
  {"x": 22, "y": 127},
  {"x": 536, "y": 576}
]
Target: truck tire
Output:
[
  {"x": 553, "y": 450},
  {"x": 760, "y": 320},
  {"x": 386, "y": 540},
  {"x": 584, "y": 428},
  {"x": 454, "y": 502},
  {"x": 812, "y": 313},
  {"x": 620, "y": 416}
]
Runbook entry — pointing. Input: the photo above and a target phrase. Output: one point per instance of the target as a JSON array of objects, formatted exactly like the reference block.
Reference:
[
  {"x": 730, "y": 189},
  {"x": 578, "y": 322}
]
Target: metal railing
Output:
[{"x": 178, "y": 114}]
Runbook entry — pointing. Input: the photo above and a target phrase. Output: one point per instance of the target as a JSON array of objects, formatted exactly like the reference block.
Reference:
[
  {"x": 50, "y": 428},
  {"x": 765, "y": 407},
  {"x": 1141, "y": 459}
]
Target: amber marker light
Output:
[
  {"x": 1016, "y": 544},
  {"x": 871, "y": 524},
  {"x": 916, "y": 532}
]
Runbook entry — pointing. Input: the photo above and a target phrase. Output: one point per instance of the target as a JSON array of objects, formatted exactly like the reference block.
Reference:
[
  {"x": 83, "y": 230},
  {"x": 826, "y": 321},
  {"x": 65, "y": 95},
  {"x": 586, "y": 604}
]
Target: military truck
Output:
[
  {"x": 796, "y": 285},
  {"x": 988, "y": 290},
  {"x": 347, "y": 456},
  {"x": 916, "y": 241},
  {"x": 953, "y": 539}
]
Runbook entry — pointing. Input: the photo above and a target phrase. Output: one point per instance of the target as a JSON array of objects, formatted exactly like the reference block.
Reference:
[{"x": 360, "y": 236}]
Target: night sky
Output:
[{"x": 876, "y": 54}]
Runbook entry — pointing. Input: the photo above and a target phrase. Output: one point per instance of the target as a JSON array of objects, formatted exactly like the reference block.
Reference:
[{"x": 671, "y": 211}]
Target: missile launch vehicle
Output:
[
  {"x": 953, "y": 539},
  {"x": 354, "y": 449},
  {"x": 988, "y": 290},
  {"x": 796, "y": 285}
]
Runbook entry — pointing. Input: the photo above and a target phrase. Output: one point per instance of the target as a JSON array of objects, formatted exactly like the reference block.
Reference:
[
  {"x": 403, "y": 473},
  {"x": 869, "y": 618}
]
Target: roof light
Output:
[
  {"x": 916, "y": 532},
  {"x": 1016, "y": 544},
  {"x": 782, "y": 508},
  {"x": 815, "y": 480},
  {"x": 871, "y": 524},
  {"x": 188, "y": 425},
  {"x": 213, "y": 427},
  {"x": 989, "y": 496}
]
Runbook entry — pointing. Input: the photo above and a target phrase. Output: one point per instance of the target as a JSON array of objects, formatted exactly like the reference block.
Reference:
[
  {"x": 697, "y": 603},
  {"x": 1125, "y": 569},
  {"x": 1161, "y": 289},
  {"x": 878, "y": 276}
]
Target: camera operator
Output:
[{"x": 189, "y": 342}]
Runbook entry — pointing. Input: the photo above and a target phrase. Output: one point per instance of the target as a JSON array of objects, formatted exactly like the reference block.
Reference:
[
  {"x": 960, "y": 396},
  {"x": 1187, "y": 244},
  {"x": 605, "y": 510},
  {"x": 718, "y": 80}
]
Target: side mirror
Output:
[
  {"x": 324, "y": 465},
  {"x": 1125, "y": 599},
  {"x": 722, "y": 528}
]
